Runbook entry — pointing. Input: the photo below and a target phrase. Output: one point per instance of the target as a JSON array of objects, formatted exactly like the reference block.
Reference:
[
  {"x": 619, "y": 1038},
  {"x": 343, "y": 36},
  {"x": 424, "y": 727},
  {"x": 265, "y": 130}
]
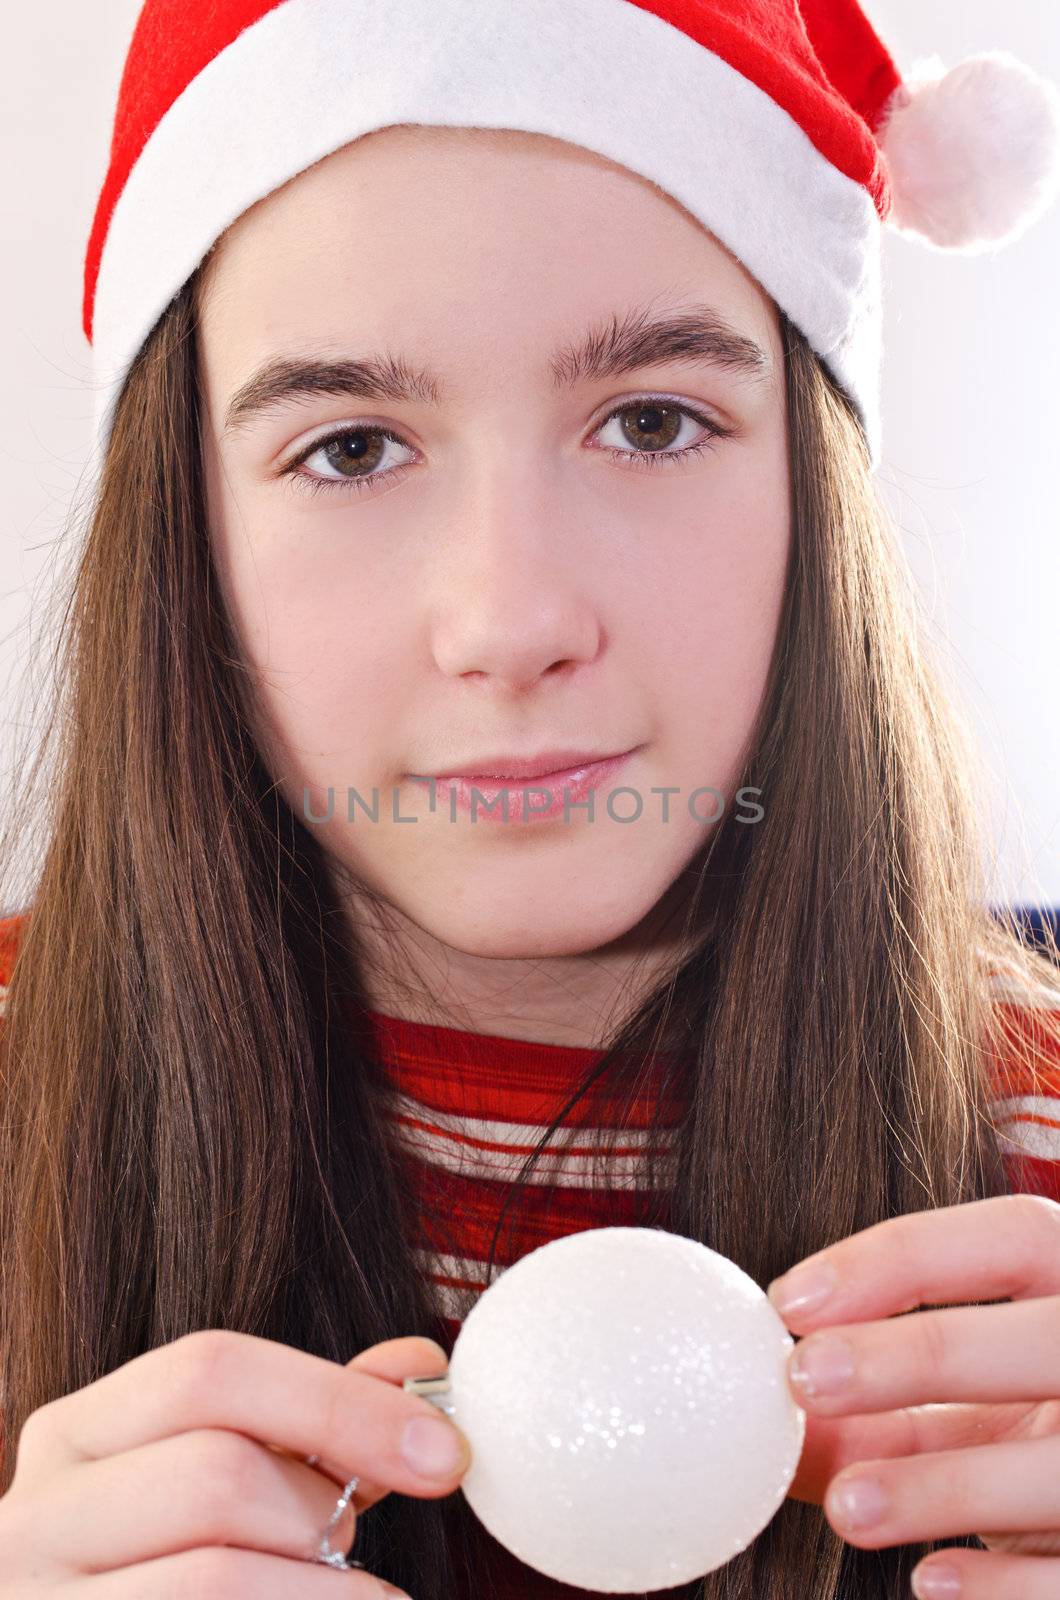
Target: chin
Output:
[
  {"x": 548, "y": 926},
  {"x": 519, "y": 942}
]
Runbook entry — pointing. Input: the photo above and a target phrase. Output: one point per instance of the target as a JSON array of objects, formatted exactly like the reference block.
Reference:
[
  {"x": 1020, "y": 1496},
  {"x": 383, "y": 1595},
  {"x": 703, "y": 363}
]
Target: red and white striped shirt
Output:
[{"x": 467, "y": 1109}]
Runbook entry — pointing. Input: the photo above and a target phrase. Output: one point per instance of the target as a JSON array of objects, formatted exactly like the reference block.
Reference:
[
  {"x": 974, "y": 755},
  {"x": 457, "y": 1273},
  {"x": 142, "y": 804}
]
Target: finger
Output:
[
  {"x": 397, "y": 1359},
  {"x": 222, "y": 1570},
  {"x": 1003, "y": 1246},
  {"x": 194, "y": 1489},
  {"x": 1024, "y": 1544},
  {"x": 831, "y": 1444},
  {"x": 988, "y": 1577},
  {"x": 392, "y": 1361},
  {"x": 993, "y": 1488},
  {"x": 221, "y": 1379},
  {"x": 1002, "y": 1352}
]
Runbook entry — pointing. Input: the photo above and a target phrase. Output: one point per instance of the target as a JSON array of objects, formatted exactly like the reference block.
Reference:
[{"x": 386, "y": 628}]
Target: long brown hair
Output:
[{"x": 191, "y": 1133}]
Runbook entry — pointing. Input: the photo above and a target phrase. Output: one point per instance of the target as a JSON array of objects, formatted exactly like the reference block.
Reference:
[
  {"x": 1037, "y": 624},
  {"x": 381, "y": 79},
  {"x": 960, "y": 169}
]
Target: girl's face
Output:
[{"x": 471, "y": 568}]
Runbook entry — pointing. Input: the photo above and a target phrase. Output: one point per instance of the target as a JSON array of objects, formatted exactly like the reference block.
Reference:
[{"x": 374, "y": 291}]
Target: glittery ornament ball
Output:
[{"x": 624, "y": 1394}]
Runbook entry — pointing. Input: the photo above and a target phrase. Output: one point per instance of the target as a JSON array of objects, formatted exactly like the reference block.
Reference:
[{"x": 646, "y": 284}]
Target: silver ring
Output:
[{"x": 325, "y": 1554}]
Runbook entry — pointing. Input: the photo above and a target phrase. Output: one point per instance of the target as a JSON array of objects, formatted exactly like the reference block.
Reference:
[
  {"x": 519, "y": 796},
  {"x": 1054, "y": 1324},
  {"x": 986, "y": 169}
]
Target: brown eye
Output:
[
  {"x": 652, "y": 426},
  {"x": 354, "y": 453},
  {"x": 349, "y": 458}
]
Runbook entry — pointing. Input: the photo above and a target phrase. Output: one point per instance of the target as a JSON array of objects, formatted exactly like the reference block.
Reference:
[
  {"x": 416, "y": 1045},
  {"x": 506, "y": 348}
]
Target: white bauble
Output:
[{"x": 625, "y": 1397}]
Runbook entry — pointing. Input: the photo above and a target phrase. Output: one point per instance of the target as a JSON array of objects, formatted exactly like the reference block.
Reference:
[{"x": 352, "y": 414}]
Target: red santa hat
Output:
[{"x": 784, "y": 126}]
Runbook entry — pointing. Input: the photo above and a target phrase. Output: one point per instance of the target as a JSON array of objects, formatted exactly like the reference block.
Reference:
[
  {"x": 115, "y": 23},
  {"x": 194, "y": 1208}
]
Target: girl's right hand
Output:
[{"x": 181, "y": 1475}]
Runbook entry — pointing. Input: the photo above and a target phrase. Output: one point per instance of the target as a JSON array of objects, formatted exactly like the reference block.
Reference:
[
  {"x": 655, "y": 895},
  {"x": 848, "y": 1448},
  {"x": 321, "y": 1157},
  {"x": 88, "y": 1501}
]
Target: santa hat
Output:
[{"x": 784, "y": 126}]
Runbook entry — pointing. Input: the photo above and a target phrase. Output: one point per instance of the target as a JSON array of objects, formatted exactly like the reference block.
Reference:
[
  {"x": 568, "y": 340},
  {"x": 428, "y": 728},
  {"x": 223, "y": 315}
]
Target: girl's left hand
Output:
[{"x": 953, "y": 1415}]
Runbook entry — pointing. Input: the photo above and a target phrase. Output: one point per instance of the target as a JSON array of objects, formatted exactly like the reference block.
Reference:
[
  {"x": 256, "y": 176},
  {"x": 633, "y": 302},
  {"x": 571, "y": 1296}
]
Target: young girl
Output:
[{"x": 491, "y": 392}]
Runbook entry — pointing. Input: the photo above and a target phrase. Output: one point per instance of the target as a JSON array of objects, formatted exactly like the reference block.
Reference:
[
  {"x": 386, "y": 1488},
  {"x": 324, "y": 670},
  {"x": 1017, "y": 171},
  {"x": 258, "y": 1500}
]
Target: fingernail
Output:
[
  {"x": 936, "y": 1583},
  {"x": 389, "y": 1591},
  {"x": 859, "y": 1503},
  {"x": 432, "y": 1447},
  {"x": 822, "y": 1364},
  {"x": 804, "y": 1288}
]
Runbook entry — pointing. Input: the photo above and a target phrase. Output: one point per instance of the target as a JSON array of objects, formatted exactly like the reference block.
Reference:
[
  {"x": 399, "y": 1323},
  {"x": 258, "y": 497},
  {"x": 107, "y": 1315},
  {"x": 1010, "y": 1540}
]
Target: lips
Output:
[
  {"x": 549, "y": 764},
  {"x": 561, "y": 787}
]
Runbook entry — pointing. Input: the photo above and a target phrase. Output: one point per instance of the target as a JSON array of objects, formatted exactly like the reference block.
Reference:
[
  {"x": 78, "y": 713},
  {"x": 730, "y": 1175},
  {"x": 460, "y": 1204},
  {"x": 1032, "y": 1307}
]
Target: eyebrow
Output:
[{"x": 609, "y": 349}]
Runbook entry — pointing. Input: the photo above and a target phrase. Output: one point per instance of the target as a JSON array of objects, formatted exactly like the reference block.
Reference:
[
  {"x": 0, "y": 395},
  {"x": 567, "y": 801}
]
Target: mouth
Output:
[
  {"x": 550, "y": 764},
  {"x": 538, "y": 790}
]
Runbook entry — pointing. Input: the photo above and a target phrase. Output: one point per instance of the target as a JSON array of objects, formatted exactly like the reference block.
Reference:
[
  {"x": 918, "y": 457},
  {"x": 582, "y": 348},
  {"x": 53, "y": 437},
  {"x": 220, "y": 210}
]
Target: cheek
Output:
[
  {"x": 318, "y": 646},
  {"x": 710, "y": 629}
]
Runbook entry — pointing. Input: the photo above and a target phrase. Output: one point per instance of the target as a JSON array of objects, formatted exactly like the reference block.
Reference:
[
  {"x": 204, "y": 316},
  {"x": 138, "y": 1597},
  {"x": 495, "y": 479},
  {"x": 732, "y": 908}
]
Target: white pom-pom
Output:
[{"x": 973, "y": 153}]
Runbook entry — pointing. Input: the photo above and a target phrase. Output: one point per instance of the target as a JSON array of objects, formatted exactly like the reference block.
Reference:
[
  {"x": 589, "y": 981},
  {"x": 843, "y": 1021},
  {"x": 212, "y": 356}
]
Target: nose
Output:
[{"x": 512, "y": 595}]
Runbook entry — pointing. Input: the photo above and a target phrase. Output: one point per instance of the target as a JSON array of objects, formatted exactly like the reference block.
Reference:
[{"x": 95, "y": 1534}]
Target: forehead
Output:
[
  {"x": 461, "y": 159},
  {"x": 501, "y": 182},
  {"x": 444, "y": 239}
]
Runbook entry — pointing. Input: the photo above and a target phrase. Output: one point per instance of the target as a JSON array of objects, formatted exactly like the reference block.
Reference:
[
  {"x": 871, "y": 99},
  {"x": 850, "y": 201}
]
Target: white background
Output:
[{"x": 971, "y": 397}]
